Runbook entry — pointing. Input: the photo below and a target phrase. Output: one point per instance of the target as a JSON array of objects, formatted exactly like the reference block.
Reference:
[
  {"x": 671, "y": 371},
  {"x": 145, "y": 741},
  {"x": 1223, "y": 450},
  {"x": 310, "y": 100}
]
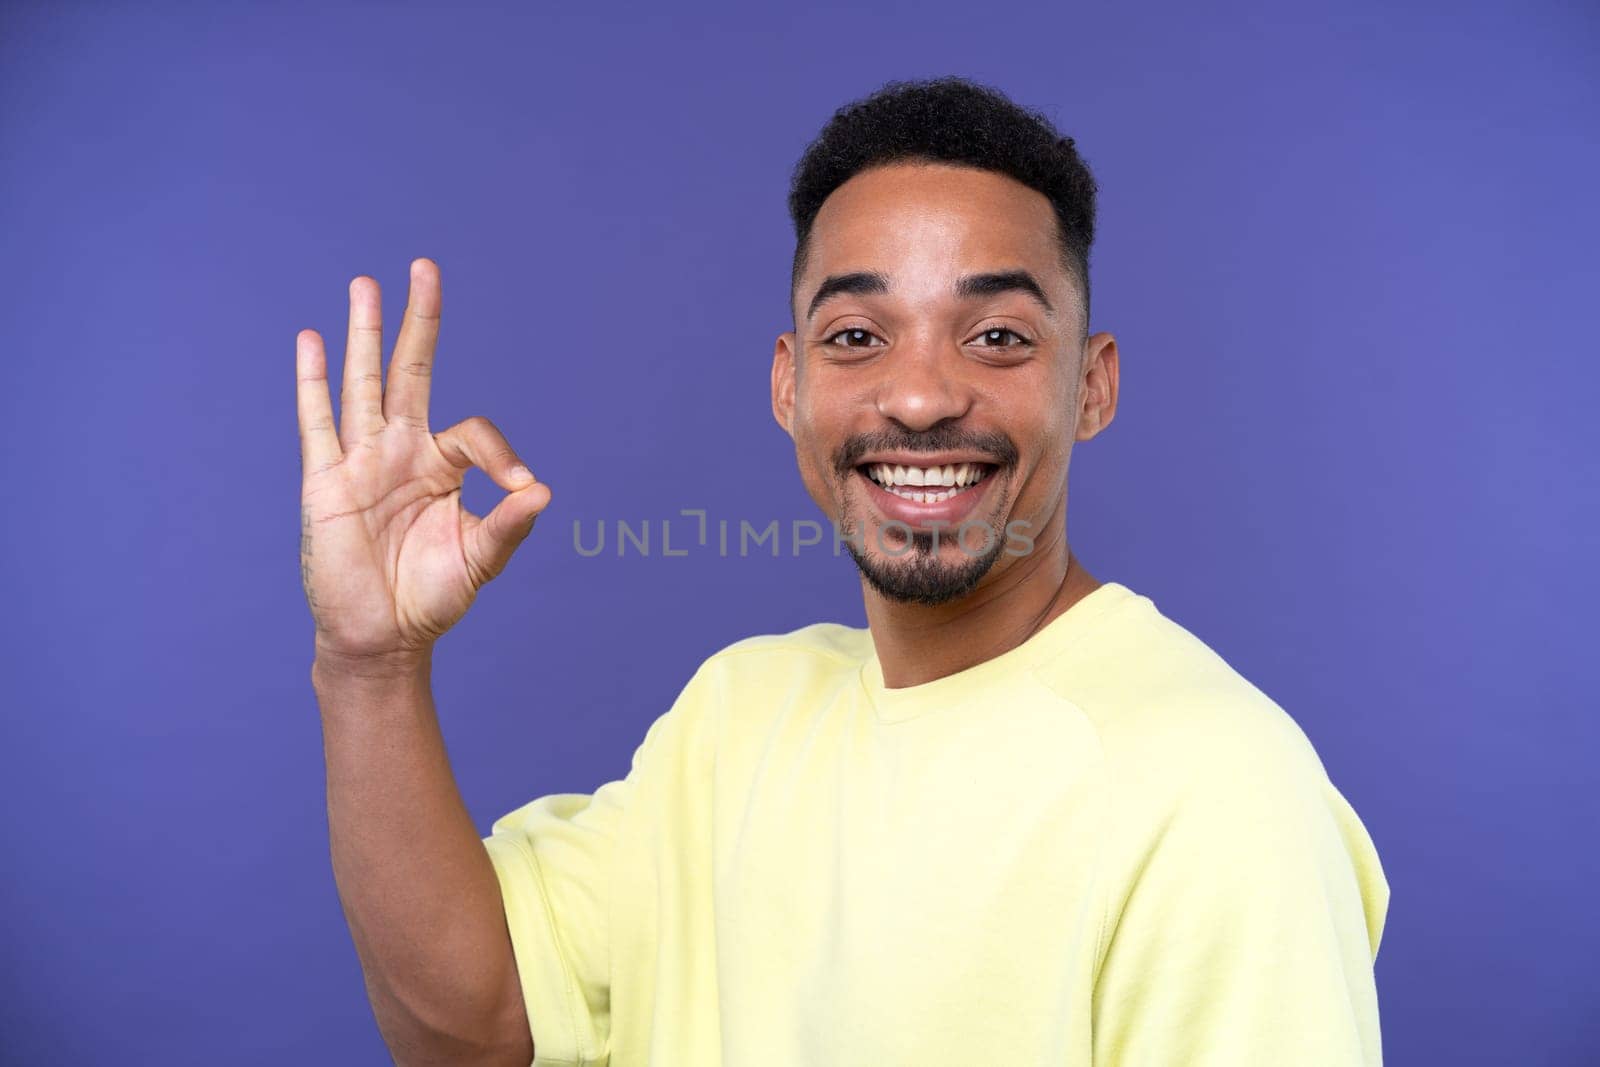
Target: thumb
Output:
[{"x": 489, "y": 543}]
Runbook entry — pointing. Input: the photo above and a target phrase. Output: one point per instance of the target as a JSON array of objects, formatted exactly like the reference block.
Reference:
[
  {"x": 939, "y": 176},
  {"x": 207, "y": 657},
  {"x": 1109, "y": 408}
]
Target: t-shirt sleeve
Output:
[
  {"x": 555, "y": 859},
  {"x": 1244, "y": 928}
]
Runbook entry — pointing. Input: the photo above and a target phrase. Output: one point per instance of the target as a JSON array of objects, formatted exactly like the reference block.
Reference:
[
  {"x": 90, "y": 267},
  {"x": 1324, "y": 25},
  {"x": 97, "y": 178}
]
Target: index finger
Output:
[{"x": 411, "y": 366}]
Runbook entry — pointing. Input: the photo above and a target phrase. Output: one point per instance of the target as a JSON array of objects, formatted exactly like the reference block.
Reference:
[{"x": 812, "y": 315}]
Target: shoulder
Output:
[
  {"x": 1169, "y": 710},
  {"x": 771, "y": 671},
  {"x": 817, "y": 651},
  {"x": 1203, "y": 768}
]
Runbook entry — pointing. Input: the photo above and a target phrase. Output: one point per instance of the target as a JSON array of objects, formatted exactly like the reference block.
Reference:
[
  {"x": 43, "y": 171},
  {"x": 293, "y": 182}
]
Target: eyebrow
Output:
[
  {"x": 860, "y": 283},
  {"x": 871, "y": 282},
  {"x": 1008, "y": 281}
]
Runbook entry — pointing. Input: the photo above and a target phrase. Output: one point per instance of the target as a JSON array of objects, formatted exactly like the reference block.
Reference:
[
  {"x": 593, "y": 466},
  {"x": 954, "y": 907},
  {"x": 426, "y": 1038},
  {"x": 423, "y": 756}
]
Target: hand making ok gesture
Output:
[{"x": 388, "y": 556}]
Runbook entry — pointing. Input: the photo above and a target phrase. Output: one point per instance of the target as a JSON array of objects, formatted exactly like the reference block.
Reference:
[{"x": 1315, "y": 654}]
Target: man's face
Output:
[{"x": 938, "y": 376}]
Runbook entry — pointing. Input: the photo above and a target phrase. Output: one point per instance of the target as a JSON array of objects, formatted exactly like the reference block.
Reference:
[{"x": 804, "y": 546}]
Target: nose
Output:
[{"x": 923, "y": 387}]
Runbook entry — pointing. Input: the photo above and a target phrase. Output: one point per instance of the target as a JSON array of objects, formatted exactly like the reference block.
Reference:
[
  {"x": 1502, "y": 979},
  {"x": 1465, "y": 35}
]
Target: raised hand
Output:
[{"x": 388, "y": 556}]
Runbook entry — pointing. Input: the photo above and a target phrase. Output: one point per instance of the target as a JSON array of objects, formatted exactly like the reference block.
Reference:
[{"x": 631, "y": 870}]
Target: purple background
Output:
[{"x": 1349, "y": 252}]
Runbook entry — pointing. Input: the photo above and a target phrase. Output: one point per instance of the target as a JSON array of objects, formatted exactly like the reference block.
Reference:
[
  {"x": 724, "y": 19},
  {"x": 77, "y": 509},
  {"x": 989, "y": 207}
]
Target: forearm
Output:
[{"x": 418, "y": 889}]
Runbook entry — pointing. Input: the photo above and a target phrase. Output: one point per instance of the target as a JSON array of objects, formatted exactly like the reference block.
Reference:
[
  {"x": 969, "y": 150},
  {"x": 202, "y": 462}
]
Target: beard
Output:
[
  {"x": 920, "y": 572},
  {"x": 919, "y": 575}
]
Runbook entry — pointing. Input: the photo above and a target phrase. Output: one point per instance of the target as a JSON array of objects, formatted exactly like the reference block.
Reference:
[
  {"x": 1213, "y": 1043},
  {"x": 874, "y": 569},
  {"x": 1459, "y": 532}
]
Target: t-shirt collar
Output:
[{"x": 1066, "y": 629}]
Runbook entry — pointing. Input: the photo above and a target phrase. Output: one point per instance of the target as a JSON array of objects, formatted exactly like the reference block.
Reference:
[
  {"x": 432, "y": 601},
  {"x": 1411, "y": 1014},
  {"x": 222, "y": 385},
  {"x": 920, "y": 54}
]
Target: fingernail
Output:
[{"x": 521, "y": 474}]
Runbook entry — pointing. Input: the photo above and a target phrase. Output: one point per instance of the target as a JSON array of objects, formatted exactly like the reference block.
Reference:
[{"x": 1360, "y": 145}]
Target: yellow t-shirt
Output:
[{"x": 1103, "y": 847}]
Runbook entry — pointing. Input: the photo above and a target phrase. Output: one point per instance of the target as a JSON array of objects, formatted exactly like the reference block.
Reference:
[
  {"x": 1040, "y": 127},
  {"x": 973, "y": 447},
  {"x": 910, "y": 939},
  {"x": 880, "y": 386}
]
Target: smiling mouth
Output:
[{"x": 927, "y": 485}]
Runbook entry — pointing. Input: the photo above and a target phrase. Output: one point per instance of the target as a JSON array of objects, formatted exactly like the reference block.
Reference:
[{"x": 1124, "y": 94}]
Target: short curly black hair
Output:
[{"x": 948, "y": 120}]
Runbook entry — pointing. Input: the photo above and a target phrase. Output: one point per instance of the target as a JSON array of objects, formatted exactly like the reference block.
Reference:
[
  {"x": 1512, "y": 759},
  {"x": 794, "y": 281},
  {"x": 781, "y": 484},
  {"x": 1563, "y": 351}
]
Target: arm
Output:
[
  {"x": 390, "y": 561},
  {"x": 418, "y": 889}
]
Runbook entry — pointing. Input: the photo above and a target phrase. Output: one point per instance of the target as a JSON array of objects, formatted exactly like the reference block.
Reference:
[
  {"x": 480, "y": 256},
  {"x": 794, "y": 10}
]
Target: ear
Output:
[
  {"x": 1098, "y": 390},
  {"x": 783, "y": 370}
]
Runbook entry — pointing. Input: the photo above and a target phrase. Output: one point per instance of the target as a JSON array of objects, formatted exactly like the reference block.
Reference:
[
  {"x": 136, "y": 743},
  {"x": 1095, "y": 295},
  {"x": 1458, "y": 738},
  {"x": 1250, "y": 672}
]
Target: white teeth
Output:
[
  {"x": 952, "y": 477},
  {"x": 922, "y": 475}
]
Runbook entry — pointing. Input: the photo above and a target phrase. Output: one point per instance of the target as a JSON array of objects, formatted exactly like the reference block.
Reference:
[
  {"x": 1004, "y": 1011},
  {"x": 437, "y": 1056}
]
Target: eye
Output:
[
  {"x": 996, "y": 337},
  {"x": 853, "y": 337}
]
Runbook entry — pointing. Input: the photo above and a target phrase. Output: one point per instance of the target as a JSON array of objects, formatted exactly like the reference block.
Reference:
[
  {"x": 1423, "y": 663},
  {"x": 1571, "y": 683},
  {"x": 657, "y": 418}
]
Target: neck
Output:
[{"x": 917, "y": 643}]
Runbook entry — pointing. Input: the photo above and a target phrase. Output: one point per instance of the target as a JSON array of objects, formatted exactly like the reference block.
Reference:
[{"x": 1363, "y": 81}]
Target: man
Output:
[{"x": 1022, "y": 818}]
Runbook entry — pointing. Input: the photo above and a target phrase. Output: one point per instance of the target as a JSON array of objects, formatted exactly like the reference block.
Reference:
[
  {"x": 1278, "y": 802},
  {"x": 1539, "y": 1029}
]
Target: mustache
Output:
[{"x": 1000, "y": 449}]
